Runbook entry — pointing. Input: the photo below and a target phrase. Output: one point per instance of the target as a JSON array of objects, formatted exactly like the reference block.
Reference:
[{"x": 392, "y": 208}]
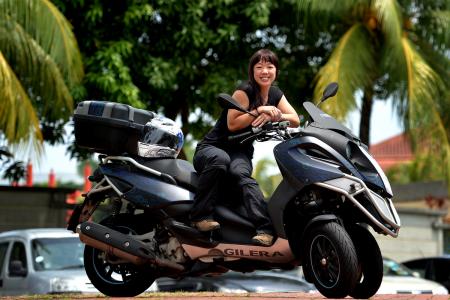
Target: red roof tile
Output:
[{"x": 392, "y": 151}]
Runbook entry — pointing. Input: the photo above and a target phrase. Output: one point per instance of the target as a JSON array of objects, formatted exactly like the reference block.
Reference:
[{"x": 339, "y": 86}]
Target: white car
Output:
[
  {"x": 42, "y": 261},
  {"x": 398, "y": 279}
]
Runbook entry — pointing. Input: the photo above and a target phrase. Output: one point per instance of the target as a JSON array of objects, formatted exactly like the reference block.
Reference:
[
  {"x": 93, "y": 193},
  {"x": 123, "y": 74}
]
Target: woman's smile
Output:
[{"x": 264, "y": 73}]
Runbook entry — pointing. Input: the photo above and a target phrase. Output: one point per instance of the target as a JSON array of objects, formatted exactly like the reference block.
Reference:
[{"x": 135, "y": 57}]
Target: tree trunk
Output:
[{"x": 366, "y": 112}]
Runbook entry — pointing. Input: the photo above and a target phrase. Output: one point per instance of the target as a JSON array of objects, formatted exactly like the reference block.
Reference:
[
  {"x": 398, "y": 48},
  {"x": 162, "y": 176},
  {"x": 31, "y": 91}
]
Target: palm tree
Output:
[
  {"x": 39, "y": 64},
  {"x": 389, "y": 49}
]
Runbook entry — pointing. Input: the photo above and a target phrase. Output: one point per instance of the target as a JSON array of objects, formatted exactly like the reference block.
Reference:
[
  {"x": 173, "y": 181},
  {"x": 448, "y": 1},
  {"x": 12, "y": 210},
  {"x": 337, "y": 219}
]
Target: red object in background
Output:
[
  {"x": 29, "y": 174},
  {"x": 87, "y": 173},
  {"x": 51, "y": 179},
  {"x": 71, "y": 199}
]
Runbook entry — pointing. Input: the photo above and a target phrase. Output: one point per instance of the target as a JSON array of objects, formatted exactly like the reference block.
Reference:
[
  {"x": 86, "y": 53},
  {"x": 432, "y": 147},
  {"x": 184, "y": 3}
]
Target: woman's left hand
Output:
[
  {"x": 261, "y": 120},
  {"x": 274, "y": 113}
]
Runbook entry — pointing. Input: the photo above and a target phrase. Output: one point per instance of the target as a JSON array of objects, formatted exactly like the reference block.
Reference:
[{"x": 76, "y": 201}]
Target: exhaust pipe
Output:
[{"x": 121, "y": 245}]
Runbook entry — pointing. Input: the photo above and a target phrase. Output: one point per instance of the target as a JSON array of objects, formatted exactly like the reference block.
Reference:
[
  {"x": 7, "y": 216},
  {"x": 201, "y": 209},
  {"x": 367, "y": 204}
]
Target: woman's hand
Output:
[
  {"x": 274, "y": 113},
  {"x": 261, "y": 120}
]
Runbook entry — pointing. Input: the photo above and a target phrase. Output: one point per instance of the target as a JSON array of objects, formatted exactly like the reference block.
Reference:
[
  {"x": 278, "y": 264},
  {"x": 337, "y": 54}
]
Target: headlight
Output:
[{"x": 368, "y": 167}]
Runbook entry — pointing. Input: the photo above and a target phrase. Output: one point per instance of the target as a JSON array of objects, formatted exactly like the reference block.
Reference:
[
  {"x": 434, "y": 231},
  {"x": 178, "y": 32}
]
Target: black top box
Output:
[{"x": 108, "y": 127}]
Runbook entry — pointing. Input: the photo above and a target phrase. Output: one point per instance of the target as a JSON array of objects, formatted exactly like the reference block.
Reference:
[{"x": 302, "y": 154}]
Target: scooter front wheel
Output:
[{"x": 331, "y": 261}]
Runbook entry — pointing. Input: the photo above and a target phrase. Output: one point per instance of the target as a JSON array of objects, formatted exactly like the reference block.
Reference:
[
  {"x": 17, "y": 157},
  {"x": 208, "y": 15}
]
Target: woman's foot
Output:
[
  {"x": 206, "y": 225},
  {"x": 262, "y": 238}
]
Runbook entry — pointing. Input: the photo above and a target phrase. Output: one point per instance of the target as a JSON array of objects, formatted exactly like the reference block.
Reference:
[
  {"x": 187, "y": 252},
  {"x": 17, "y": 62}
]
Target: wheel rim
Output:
[
  {"x": 324, "y": 261},
  {"x": 116, "y": 274}
]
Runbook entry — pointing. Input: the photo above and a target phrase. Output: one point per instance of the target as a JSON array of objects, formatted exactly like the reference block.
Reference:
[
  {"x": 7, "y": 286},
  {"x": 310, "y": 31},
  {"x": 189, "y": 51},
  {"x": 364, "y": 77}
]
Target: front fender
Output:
[{"x": 318, "y": 220}]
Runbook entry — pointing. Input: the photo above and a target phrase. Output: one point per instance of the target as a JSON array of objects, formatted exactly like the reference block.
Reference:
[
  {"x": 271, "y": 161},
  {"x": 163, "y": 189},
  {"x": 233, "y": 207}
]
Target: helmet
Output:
[{"x": 162, "y": 137}]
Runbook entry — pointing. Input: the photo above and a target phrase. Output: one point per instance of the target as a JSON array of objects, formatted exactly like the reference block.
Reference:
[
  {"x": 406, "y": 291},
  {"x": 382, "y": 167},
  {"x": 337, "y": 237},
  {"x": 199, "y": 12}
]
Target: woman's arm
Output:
[
  {"x": 288, "y": 112},
  {"x": 238, "y": 120}
]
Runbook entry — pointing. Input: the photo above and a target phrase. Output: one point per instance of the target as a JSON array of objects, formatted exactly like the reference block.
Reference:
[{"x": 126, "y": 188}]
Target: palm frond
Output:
[
  {"x": 37, "y": 71},
  {"x": 439, "y": 62},
  {"x": 437, "y": 29},
  {"x": 18, "y": 120},
  {"x": 425, "y": 115},
  {"x": 352, "y": 65},
  {"x": 51, "y": 31},
  {"x": 390, "y": 16},
  {"x": 320, "y": 14}
]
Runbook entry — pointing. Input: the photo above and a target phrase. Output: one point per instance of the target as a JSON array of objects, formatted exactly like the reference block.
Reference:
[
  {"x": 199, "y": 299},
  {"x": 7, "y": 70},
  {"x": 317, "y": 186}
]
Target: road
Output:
[{"x": 223, "y": 296}]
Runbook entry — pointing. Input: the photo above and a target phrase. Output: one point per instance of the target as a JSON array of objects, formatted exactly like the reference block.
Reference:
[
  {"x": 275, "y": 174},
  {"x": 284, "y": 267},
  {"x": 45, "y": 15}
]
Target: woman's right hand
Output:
[
  {"x": 272, "y": 111},
  {"x": 261, "y": 120}
]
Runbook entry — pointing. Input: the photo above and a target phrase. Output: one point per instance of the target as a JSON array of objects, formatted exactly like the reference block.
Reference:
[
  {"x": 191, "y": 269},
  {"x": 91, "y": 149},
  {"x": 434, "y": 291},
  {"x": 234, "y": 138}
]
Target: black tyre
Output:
[
  {"x": 115, "y": 279},
  {"x": 369, "y": 256},
  {"x": 331, "y": 261}
]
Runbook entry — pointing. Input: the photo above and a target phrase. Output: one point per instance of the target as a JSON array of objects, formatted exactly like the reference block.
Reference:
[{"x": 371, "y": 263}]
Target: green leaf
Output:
[
  {"x": 390, "y": 16},
  {"x": 321, "y": 14},
  {"x": 352, "y": 65},
  {"x": 18, "y": 120},
  {"x": 51, "y": 31},
  {"x": 425, "y": 118}
]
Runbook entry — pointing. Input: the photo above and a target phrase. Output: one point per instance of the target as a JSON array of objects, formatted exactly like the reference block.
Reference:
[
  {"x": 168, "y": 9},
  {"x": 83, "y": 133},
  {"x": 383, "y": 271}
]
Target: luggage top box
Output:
[{"x": 108, "y": 127}]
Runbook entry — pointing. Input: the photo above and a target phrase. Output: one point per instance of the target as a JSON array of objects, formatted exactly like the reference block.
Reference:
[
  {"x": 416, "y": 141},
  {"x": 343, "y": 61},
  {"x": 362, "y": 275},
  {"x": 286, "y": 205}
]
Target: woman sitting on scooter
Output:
[{"x": 215, "y": 155}]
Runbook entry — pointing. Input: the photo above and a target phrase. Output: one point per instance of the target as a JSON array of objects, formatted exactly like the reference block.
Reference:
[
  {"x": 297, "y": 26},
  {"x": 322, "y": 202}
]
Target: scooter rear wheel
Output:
[
  {"x": 371, "y": 261},
  {"x": 115, "y": 279},
  {"x": 331, "y": 261}
]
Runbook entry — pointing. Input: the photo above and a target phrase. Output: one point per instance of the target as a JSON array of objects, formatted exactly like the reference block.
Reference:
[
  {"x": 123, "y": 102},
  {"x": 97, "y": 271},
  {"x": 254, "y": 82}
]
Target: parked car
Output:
[
  {"x": 235, "y": 282},
  {"x": 42, "y": 261},
  {"x": 432, "y": 268},
  {"x": 398, "y": 279}
]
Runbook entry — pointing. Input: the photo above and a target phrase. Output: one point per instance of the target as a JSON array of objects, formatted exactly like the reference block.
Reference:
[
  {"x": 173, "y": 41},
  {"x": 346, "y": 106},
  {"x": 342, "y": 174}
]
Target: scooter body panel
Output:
[
  {"x": 299, "y": 168},
  {"x": 146, "y": 190}
]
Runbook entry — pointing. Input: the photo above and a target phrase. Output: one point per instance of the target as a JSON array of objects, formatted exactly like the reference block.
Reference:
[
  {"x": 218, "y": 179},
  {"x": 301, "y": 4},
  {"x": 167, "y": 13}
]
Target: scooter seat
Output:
[{"x": 181, "y": 170}]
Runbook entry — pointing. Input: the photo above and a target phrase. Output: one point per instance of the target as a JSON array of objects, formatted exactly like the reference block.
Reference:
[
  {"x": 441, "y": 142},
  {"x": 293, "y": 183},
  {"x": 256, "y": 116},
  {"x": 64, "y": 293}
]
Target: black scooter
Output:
[{"x": 332, "y": 190}]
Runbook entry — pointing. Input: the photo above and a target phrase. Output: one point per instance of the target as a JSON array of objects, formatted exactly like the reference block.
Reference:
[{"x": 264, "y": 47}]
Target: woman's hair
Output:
[{"x": 264, "y": 55}]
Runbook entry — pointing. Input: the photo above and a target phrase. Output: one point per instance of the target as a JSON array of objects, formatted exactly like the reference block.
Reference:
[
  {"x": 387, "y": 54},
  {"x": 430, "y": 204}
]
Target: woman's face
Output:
[{"x": 264, "y": 73}]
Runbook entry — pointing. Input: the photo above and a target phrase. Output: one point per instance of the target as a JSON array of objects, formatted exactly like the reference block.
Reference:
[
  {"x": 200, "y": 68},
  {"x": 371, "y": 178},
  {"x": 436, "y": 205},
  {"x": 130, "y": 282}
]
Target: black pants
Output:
[{"x": 212, "y": 164}]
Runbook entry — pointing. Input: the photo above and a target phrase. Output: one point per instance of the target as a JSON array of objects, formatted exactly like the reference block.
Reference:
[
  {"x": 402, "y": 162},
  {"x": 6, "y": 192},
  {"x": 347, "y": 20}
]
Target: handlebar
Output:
[
  {"x": 268, "y": 127},
  {"x": 240, "y": 135}
]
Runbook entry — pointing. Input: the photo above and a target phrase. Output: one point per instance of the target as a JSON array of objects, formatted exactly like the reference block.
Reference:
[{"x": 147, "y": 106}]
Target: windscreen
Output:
[
  {"x": 325, "y": 121},
  {"x": 57, "y": 253}
]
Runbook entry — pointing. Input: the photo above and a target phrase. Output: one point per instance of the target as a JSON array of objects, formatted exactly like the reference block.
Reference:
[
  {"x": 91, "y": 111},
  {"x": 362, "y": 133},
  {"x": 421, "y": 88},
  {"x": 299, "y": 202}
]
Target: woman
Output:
[{"x": 215, "y": 155}]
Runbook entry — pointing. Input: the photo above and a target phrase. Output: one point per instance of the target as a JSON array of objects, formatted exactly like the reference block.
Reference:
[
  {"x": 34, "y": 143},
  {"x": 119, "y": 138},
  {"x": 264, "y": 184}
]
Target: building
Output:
[
  {"x": 33, "y": 207},
  {"x": 393, "y": 151}
]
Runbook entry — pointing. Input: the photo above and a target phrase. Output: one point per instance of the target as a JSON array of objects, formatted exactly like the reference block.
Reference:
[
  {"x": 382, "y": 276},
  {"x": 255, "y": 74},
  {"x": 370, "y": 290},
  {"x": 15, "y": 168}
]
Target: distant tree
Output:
[
  {"x": 396, "y": 49},
  {"x": 422, "y": 168},
  {"x": 40, "y": 65},
  {"x": 268, "y": 182},
  {"x": 12, "y": 170},
  {"x": 174, "y": 57}
]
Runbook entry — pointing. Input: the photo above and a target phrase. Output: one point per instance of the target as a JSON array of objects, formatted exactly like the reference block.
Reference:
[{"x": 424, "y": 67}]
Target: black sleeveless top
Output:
[{"x": 218, "y": 135}]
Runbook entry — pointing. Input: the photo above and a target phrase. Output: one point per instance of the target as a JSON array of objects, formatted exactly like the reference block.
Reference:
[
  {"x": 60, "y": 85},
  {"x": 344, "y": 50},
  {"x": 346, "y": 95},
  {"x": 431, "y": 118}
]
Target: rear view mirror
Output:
[
  {"x": 329, "y": 91},
  {"x": 228, "y": 102}
]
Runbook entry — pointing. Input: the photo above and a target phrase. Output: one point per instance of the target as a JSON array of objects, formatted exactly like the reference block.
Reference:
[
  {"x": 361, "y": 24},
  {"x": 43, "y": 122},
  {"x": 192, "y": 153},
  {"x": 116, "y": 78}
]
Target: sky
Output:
[{"x": 384, "y": 124}]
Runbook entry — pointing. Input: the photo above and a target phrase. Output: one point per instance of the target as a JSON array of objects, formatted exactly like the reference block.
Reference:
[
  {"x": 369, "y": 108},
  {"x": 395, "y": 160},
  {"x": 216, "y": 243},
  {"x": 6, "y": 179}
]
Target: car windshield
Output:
[
  {"x": 391, "y": 267},
  {"x": 57, "y": 253}
]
